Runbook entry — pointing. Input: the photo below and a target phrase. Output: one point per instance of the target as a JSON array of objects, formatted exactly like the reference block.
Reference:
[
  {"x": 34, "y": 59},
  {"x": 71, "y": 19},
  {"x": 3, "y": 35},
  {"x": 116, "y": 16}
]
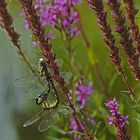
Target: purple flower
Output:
[
  {"x": 83, "y": 92},
  {"x": 59, "y": 14},
  {"x": 74, "y": 32},
  {"x": 50, "y": 35},
  {"x": 118, "y": 29},
  {"x": 117, "y": 119},
  {"x": 74, "y": 2},
  {"x": 39, "y": 5},
  {"x": 76, "y": 126},
  {"x": 113, "y": 106}
]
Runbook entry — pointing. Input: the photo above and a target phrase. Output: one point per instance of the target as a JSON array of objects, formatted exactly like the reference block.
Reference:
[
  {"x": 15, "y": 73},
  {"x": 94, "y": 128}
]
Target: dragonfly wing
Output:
[
  {"x": 44, "y": 125},
  {"x": 78, "y": 107},
  {"x": 21, "y": 82},
  {"x": 34, "y": 91},
  {"x": 59, "y": 62},
  {"x": 48, "y": 121},
  {"x": 32, "y": 85},
  {"x": 67, "y": 76},
  {"x": 64, "y": 110},
  {"x": 34, "y": 119},
  {"x": 31, "y": 93}
]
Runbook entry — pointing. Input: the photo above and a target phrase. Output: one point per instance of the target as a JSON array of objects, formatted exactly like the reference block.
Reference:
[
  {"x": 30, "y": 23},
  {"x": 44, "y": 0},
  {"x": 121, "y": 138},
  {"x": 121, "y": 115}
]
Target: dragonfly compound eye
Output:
[
  {"x": 39, "y": 100},
  {"x": 41, "y": 61}
]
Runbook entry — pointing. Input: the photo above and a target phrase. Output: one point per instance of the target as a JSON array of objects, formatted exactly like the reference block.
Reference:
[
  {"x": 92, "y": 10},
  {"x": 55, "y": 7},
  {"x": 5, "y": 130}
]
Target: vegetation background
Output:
[{"x": 15, "y": 109}]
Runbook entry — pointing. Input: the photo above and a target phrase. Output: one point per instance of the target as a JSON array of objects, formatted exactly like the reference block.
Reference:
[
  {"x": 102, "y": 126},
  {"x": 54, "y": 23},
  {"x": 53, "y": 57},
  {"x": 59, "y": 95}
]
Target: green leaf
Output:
[
  {"x": 94, "y": 113},
  {"x": 64, "y": 110},
  {"x": 59, "y": 130},
  {"x": 95, "y": 138},
  {"x": 75, "y": 132},
  {"x": 129, "y": 100},
  {"x": 136, "y": 119},
  {"x": 96, "y": 128},
  {"x": 91, "y": 56},
  {"x": 112, "y": 81}
]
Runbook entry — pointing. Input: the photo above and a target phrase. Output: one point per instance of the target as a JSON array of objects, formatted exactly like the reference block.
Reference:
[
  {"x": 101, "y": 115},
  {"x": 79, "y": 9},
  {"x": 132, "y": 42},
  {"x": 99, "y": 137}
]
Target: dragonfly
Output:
[
  {"x": 45, "y": 74},
  {"x": 49, "y": 110}
]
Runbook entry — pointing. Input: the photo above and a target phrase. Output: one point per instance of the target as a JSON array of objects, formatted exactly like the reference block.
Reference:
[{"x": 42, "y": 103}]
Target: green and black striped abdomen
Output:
[
  {"x": 48, "y": 106},
  {"x": 45, "y": 74}
]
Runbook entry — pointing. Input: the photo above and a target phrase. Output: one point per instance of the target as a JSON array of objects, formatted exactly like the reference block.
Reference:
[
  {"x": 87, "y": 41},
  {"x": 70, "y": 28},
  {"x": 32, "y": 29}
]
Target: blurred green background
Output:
[{"x": 16, "y": 109}]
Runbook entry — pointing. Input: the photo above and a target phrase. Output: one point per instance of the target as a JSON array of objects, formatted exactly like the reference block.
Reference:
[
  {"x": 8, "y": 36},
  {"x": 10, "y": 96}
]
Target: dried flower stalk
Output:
[
  {"x": 126, "y": 39},
  {"x": 6, "y": 23},
  {"x": 97, "y": 6},
  {"x": 131, "y": 12},
  {"x": 39, "y": 35}
]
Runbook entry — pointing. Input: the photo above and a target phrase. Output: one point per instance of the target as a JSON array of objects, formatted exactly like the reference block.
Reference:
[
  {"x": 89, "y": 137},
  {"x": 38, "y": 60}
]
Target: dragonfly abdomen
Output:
[
  {"x": 48, "y": 106},
  {"x": 45, "y": 75}
]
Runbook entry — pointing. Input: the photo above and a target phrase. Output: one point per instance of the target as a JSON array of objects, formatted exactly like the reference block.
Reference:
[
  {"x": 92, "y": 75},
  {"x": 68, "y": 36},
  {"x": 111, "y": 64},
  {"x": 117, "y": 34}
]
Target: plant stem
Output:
[{"x": 67, "y": 44}]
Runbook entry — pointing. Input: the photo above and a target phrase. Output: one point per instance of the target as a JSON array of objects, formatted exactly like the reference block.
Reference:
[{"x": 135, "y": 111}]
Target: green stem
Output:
[{"x": 92, "y": 58}]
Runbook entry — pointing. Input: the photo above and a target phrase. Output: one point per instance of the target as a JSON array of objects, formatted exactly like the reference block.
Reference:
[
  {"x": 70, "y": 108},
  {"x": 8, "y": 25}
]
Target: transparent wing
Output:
[
  {"x": 32, "y": 92},
  {"x": 48, "y": 121},
  {"x": 78, "y": 108},
  {"x": 64, "y": 110},
  {"x": 34, "y": 119},
  {"x": 59, "y": 62},
  {"x": 67, "y": 76},
  {"x": 32, "y": 85},
  {"x": 23, "y": 81}
]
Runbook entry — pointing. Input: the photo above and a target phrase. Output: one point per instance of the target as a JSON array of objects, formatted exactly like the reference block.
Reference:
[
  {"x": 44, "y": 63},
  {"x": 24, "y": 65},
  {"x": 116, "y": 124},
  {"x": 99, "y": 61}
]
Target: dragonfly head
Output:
[
  {"x": 41, "y": 62},
  {"x": 40, "y": 98}
]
